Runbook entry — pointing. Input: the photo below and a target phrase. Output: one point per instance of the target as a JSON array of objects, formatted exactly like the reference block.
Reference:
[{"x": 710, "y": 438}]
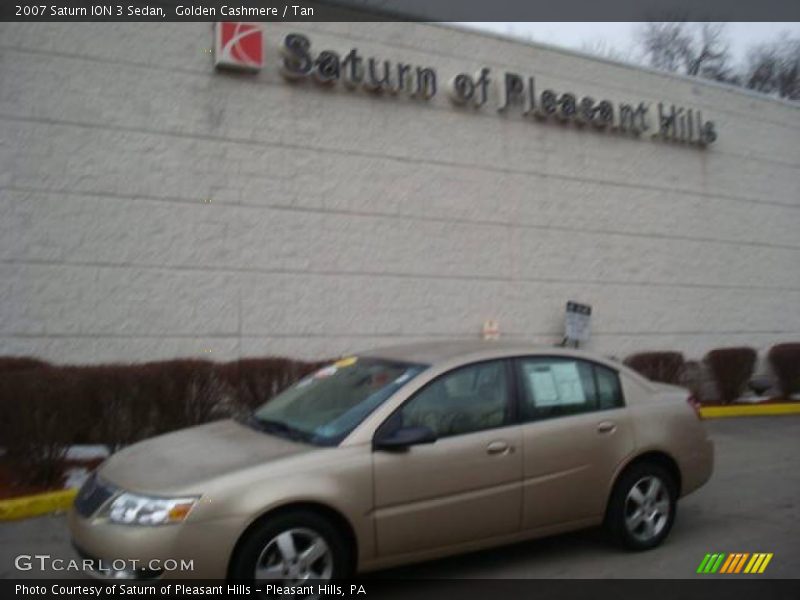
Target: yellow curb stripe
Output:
[
  {"x": 741, "y": 562},
  {"x": 746, "y": 410},
  {"x": 765, "y": 563},
  {"x": 728, "y": 562},
  {"x": 39, "y": 504}
]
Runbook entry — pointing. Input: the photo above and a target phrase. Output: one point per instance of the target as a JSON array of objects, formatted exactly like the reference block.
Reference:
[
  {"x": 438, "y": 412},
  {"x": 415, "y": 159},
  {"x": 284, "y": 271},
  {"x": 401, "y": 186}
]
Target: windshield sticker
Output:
[
  {"x": 325, "y": 372},
  {"x": 403, "y": 378},
  {"x": 345, "y": 362}
]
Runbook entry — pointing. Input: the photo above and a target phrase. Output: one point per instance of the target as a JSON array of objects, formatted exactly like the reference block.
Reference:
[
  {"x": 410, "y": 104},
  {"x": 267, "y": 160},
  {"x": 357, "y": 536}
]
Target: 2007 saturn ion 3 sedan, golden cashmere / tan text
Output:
[{"x": 401, "y": 455}]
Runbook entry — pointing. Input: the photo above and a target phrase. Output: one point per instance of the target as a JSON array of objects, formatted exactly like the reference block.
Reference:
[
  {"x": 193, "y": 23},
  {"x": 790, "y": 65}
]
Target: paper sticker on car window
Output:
[
  {"x": 555, "y": 385},
  {"x": 568, "y": 382},
  {"x": 542, "y": 385}
]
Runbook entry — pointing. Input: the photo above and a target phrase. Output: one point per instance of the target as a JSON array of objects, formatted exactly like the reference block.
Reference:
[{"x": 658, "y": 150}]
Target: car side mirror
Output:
[{"x": 404, "y": 438}]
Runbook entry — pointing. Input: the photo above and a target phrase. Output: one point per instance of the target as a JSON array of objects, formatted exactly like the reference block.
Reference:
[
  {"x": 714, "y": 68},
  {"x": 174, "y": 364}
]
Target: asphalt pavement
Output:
[{"x": 751, "y": 504}]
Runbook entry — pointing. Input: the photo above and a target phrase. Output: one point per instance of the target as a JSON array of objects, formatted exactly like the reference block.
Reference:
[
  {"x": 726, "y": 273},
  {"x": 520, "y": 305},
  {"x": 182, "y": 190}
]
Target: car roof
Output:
[{"x": 433, "y": 353}]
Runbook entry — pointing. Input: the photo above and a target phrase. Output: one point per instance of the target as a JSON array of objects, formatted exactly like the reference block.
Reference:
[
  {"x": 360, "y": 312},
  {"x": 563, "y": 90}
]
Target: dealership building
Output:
[{"x": 308, "y": 190}]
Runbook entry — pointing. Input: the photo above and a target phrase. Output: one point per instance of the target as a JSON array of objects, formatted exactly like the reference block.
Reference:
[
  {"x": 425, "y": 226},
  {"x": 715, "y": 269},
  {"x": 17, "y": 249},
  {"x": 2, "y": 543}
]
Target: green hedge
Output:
[
  {"x": 785, "y": 362},
  {"x": 731, "y": 369},
  {"x": 665, "y": 367},
  {"x": 46, "y": 408}
]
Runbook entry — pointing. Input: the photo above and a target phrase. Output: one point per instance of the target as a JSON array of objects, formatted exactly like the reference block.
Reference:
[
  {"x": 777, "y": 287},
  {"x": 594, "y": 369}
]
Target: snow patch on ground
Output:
[
  {"x": 75, "y": 476},
  {"x": 752, "y": 399},
  {"x": 87, "y": 452}
]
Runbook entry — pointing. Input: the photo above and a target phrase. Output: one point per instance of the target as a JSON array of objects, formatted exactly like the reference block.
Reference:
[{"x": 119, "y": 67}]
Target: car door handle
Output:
[
  {"x": 606, "y": 427},
  {"x": 499, "y": 447}
]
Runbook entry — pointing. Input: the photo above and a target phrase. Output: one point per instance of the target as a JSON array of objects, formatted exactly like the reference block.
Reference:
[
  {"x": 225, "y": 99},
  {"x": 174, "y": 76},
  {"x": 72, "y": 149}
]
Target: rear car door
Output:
[
  {"x": 576, "y": 432},
  {"x": 466, "y": 485}
]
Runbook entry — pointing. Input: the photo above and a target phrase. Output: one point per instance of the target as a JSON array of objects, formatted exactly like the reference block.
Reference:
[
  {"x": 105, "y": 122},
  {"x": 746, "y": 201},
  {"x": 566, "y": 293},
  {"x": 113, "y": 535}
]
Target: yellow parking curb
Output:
[
  {"x": 750, "y": 410},
  {"x": 25, "y": 507}
]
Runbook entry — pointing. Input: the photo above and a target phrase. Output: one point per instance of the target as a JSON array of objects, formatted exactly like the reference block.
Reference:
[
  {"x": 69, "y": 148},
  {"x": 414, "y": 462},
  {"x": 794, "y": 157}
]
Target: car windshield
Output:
[{"x": 327, "y": 405}]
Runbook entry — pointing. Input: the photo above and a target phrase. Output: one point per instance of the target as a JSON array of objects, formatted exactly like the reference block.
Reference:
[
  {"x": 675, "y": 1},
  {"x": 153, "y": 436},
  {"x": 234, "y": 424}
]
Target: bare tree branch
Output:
[
  {"x": 694, "y": 49},
  {"x": 774, "y": 68}
]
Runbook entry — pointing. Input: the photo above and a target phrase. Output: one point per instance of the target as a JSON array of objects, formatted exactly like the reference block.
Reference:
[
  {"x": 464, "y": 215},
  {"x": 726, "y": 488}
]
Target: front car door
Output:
[
  {"x": 576, "y": 432},
  {"x": 466, "y": 485}
]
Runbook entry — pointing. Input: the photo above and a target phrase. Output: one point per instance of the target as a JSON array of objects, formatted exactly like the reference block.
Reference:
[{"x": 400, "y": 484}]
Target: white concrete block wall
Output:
[{"x": 151, "y": 207}]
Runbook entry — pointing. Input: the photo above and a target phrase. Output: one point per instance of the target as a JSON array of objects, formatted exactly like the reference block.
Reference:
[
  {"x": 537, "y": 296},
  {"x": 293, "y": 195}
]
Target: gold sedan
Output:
[{"x": 400, "y": 455}]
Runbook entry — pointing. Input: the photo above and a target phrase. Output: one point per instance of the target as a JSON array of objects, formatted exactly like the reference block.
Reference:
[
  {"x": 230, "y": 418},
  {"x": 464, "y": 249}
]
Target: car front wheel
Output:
[
  {"x": 642, "y": 507},
  {"x": 292, "y": 548}
]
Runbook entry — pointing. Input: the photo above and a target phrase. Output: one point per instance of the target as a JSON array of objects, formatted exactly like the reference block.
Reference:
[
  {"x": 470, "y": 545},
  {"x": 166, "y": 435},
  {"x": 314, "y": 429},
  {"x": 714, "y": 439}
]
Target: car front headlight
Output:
[{"x": 133, "y": 509}]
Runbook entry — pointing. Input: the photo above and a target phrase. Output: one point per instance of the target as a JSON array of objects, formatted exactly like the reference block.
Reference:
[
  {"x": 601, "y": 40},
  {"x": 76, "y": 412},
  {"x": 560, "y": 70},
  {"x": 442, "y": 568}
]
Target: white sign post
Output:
[{"x": 576, "y": 323}]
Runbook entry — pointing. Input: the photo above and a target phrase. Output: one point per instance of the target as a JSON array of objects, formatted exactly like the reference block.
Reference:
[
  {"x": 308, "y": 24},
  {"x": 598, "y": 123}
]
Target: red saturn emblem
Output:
[{"x": 238, "y": 46}]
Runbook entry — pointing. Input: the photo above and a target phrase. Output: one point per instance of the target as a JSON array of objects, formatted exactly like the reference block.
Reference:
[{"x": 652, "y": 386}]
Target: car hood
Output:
[
  {"x": 668, "y": 387},
  {"x": 187, "y": 458}
]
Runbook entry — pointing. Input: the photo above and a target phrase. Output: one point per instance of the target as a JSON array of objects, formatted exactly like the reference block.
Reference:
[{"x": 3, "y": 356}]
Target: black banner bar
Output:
[
  {"x": 398, "y": 10},
  {"x": 375, "y": 588}
]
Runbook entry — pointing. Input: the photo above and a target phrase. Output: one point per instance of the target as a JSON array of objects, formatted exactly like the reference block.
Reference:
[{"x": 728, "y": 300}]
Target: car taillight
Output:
[{"x": 695, "y": 404}]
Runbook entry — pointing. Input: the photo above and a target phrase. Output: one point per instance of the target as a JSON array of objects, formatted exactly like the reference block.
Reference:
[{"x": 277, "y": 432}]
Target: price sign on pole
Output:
[{"x": 577, "y": 322}]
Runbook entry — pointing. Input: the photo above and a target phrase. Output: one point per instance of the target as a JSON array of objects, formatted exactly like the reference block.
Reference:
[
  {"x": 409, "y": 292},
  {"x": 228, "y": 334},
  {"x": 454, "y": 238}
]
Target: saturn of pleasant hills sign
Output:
[{"x": 517, "y": 93}]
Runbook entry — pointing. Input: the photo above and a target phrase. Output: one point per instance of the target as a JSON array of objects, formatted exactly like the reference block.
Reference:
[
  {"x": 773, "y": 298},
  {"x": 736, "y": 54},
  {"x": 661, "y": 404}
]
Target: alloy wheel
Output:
[
  {"x": 647, "y": 508},
  {"x": 295, "y": 555}
]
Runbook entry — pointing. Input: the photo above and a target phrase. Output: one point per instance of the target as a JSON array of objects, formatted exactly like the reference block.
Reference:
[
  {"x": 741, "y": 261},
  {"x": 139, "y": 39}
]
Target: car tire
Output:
[
  {"x": 642, "y": 507},
  {"x": 267, "y": 548}
]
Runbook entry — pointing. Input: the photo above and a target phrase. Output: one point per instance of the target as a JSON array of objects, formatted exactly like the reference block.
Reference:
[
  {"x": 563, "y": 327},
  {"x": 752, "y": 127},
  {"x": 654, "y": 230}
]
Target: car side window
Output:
[
  {"x": 609, "y": 391},
  {"x": 557, "y": 386},
  {"x": 467, "y": 399}
]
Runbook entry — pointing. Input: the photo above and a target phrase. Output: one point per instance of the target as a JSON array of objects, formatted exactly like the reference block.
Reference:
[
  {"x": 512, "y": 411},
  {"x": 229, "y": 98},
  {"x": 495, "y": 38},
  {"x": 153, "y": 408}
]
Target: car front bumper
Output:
[{"x": 188, "y": 550}]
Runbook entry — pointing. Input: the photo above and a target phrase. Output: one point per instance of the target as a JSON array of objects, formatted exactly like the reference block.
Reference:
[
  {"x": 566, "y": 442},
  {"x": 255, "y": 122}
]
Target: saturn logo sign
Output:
[{"x": 238, "y": 46}]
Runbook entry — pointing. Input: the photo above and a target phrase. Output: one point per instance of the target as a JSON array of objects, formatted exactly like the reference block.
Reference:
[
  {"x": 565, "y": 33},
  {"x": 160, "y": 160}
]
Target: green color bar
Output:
[
  {"x": 718, "y": 564},
  {"x": 710, "y": 564},
  {"x": 703, "y": 563}
]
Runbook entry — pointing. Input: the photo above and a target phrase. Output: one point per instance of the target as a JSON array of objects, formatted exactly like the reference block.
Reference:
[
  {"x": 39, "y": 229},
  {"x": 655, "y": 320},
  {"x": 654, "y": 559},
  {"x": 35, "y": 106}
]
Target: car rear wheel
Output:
[
  {"x": 292, "y": 548},
  {"x": 642, "y": 507}
]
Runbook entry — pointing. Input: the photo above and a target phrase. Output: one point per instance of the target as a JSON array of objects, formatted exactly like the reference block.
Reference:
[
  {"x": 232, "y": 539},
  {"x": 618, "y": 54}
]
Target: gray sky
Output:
[{"x": 620, "y": 36}]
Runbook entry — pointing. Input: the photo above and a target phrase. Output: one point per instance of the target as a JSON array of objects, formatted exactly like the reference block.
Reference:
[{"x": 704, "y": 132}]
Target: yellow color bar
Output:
[
  {"x": 765, "y": 563},
  {"x": 754, "y": 562}
]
